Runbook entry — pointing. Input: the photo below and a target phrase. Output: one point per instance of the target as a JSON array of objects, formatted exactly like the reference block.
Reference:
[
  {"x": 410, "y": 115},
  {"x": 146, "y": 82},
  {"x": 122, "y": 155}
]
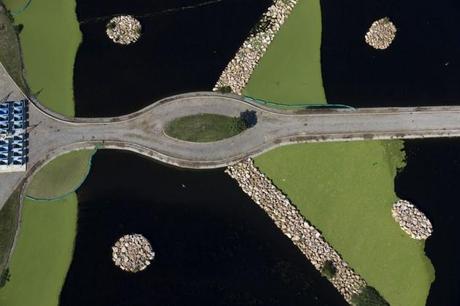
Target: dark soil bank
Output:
[
  {"x": 421, "y": 67},
  {"x": 182, "y": 49},
  {"x": 431, "y": 181},
  {"x": 213, "y": 245}
]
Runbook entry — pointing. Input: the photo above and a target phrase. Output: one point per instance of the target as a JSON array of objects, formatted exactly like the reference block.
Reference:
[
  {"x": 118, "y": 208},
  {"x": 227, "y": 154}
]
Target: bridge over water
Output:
[{"x": 51, "y": 135}]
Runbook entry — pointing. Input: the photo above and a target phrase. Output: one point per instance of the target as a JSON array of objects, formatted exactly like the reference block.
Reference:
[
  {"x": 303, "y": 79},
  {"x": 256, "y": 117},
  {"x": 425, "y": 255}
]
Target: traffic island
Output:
[{"x": 208, "y": 127}]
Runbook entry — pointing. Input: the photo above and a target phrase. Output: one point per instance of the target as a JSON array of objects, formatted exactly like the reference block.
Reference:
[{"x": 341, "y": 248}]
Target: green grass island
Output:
[{"x": 205, "y": 127}]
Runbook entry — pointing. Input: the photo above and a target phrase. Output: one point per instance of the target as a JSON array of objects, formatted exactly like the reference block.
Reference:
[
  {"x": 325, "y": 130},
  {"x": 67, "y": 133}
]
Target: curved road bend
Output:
[{"x": 51, "y": 135}]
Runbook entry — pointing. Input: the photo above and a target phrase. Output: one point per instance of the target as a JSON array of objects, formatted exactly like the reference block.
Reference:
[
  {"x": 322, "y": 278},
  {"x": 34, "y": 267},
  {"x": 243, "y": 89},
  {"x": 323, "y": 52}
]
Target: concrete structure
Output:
[{"x": 13, "y": 136}]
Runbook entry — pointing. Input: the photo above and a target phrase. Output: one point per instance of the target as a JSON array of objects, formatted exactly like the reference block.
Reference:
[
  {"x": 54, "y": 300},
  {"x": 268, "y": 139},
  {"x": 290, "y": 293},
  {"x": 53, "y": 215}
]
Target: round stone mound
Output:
[
  {"x": 381, "y": 34},
  {"x": 411, "y": 220},
  {"x": 124, "y": 30},
  {"x": 132, "y": 253}
]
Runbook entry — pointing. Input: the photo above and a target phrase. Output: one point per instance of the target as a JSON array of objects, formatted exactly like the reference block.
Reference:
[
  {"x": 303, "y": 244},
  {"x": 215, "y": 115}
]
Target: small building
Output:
[{"x": 13, "y": 136}]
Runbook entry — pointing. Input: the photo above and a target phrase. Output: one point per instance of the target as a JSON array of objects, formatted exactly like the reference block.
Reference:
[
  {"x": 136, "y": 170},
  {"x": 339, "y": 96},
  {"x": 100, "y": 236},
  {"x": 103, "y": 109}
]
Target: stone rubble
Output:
[
  {"x": 381, "y": 34},
  {"x": 237, "y": 73},
  {"x": 411, "y": 220},
  {"x": 124, "y": 30},
  {"x": 132, "y": 253},
  {"x": 294, "y": 226}
]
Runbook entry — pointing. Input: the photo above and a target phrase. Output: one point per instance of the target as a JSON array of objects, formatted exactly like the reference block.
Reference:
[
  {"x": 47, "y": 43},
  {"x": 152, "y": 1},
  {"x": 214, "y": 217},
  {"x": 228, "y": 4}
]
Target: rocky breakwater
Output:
[
  {"x": 411, "y": 220},
  {"x": 132, "y": 253},
  {"x": 295, "y": 227},
  {"x": 381, "y": 34},
  {"x": 237, "y": 73},
  {"x": 124, "y": 30}
]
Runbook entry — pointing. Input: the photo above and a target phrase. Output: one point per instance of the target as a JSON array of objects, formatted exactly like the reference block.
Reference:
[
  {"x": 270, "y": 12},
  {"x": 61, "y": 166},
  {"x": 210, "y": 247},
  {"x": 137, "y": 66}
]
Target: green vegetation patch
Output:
[
  {"x": 10, "y": 55},
  {"x": 43, "y": 253},
  {"x": 8, "y": 225},
  {"x": 346, "y": 190},
  {"x": 49, "y": 39},
  {"x": 205, "y": 127},
  {"x": 61, "y": 176},
  {"x": 328, "y": 270},
  {"x": 290, "y": 71}
]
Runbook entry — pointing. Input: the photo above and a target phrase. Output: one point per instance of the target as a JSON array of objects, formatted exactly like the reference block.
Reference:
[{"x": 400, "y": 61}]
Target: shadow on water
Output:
[
  {"x": 431, "y": 181},
  {"x": 179, "y": 51},
  {"x": 213, "y": 245},
  {"x": 421, "y": 67}
]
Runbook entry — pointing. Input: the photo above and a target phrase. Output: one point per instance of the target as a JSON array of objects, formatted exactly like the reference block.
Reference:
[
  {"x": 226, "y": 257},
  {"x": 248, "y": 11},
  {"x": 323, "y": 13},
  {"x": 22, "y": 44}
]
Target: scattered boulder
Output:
[
  {"x": 411, "y": 220},
  {"x": 381, "y": 34},
  {"x": 132, "y": 253},
  {"x": 124, "y": 30}
]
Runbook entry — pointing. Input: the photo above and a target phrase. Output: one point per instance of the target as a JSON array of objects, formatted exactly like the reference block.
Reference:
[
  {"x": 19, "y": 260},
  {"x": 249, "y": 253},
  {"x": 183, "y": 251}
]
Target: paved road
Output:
[{"x": 142, "y": 132}]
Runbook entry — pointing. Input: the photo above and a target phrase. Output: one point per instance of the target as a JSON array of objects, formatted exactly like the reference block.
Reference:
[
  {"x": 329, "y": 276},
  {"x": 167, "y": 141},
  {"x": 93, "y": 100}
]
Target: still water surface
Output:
[
  {"x": 422, "y": 67},
  {"x": 213, "y": 245}
]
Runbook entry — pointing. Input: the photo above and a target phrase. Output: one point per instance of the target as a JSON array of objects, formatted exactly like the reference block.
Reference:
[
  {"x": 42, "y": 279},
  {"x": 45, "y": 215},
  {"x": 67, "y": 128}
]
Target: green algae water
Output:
[
  {"x": 43, "y": 253},
  {"x": 49, "y": 40},
  {"x": 39, "y": 263},
  {"x": 290, "y": 71},
  {"x": 345, "y": 189}
]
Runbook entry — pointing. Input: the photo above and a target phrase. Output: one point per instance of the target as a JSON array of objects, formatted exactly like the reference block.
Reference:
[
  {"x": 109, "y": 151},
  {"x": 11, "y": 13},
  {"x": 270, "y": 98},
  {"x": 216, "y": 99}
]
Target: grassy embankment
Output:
[
  {"x": 9, "y": 51},
  {"x": 50, "y": 39},
  {"x": 345, "y": 189},
  {"x": 43, "y": 253},
  {"x": 205, "y": 127},
  {"x": 8, "y": 224},
  {"x": 61, "y": 176}
]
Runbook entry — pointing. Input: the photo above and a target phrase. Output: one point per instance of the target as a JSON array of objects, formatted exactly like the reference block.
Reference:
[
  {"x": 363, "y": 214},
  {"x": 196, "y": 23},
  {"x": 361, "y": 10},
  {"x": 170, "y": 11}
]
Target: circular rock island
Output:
[
  {"x": 381, "y": 34},
  {"x": 411, "y": 220},
  {"x": 132, "y": 253},
  {"x": 124, "y": 30}
]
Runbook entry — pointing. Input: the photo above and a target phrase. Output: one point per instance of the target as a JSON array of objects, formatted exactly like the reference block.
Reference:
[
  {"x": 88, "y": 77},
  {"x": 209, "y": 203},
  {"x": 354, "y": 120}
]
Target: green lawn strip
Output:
[
  {"x": 61, "y": 176},
  {"x": 204, "y": 127},
  {"x": 50, "y": 40},
  {"x": 8, "y": 225},
  {"x": 43, "y": 253},
  {"x": 290, "y": 71},
  {"x": 346, "y": 191}
]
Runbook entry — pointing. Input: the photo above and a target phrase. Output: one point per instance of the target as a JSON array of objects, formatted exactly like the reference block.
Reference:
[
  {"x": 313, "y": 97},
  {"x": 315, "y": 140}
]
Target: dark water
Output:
[
  {"x": 180, "y": 51},
  {"x": 213, "y": 245},
  {"x": 421, "y": 67},
  {"x": 431, "y": 181}
]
